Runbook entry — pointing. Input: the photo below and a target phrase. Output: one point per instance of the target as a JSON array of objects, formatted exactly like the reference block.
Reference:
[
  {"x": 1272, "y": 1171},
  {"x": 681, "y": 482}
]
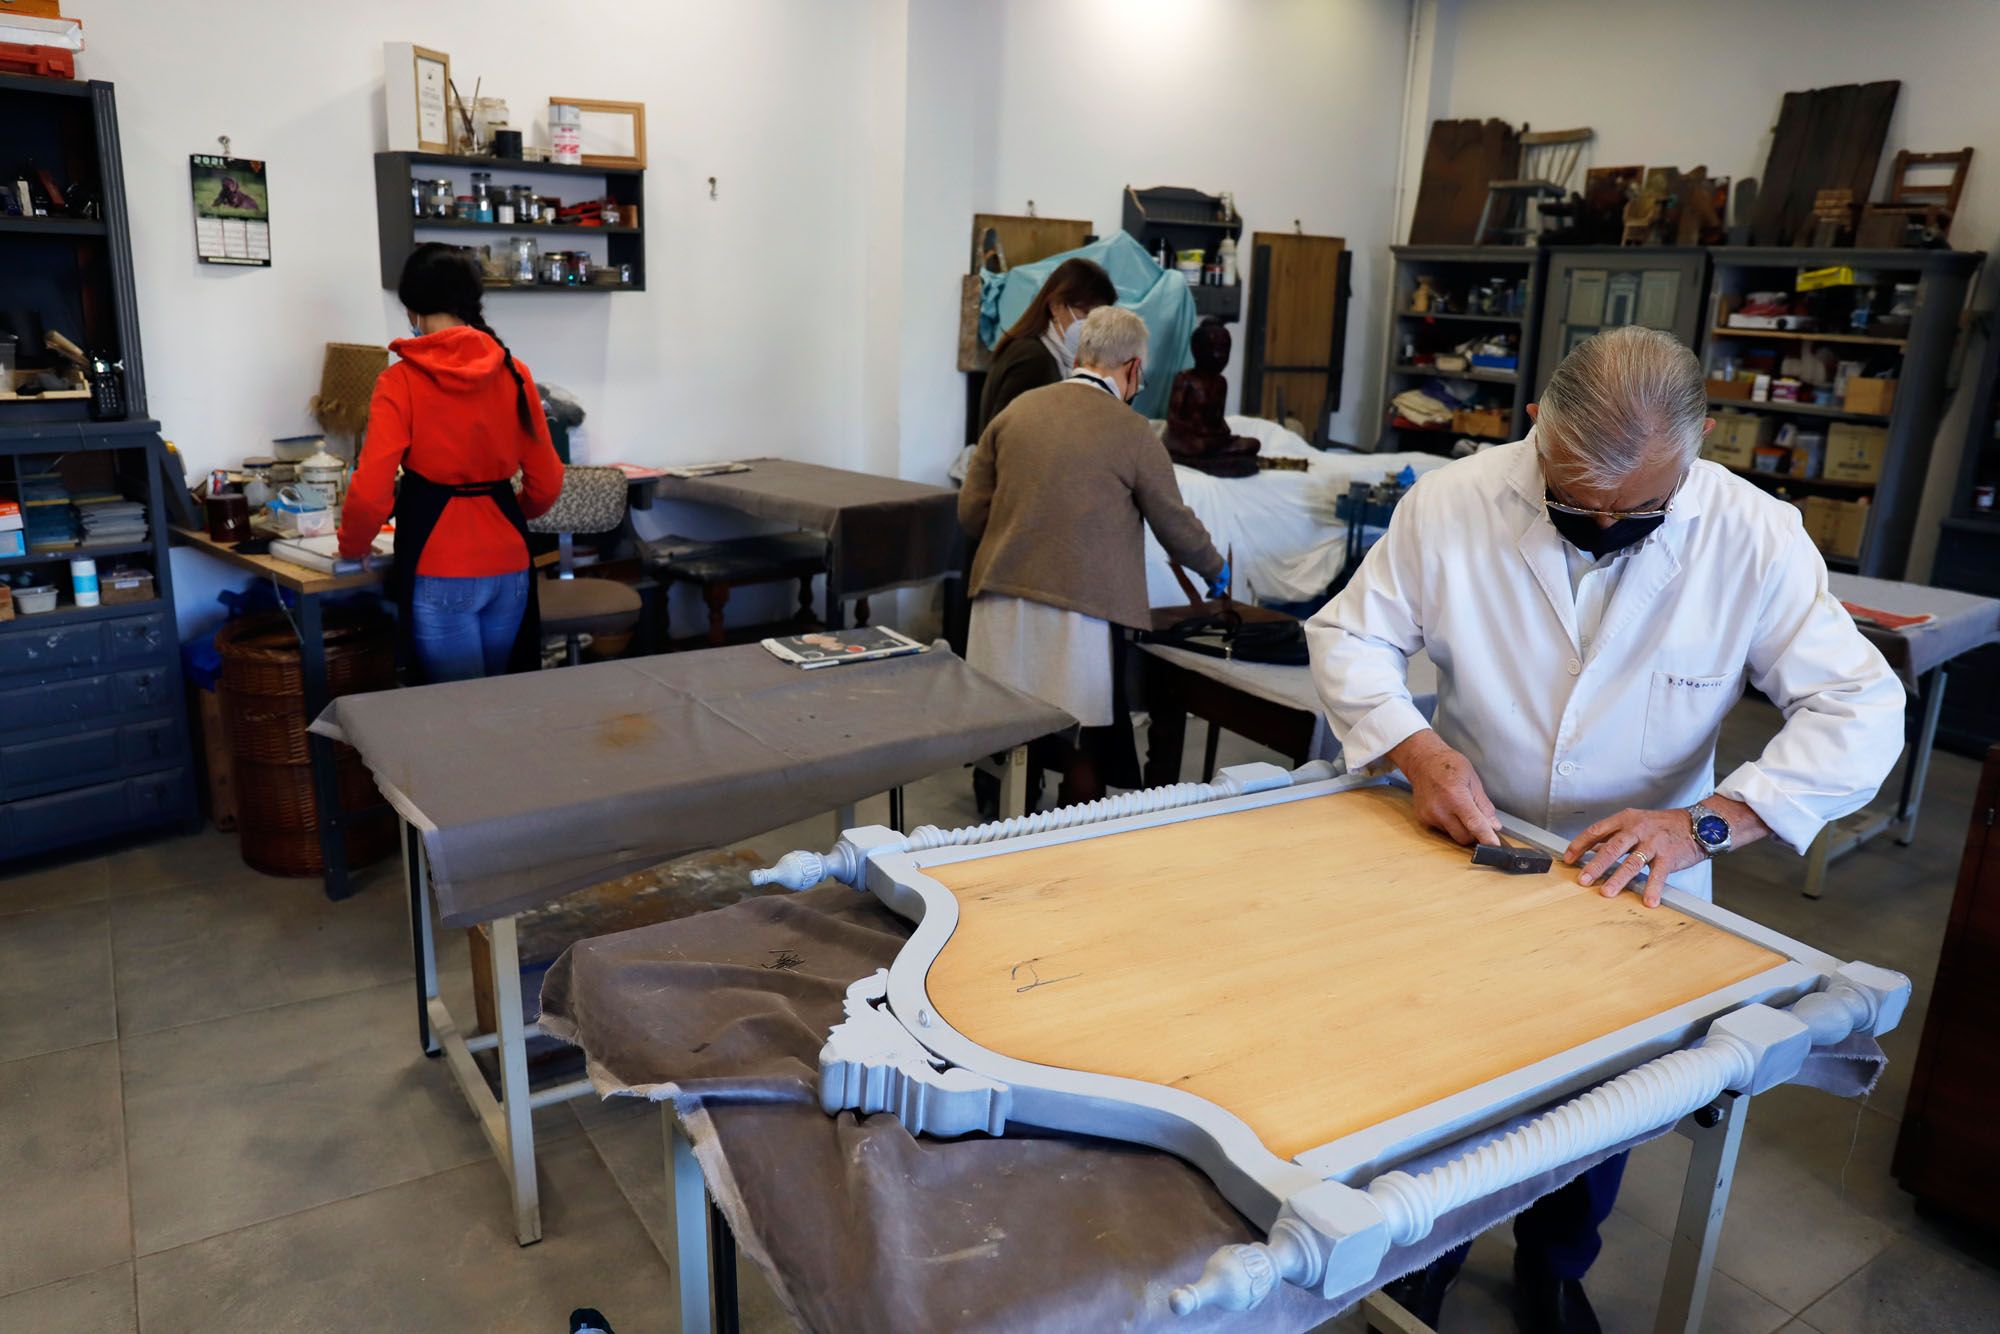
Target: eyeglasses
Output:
[{"x": 1661, "y": 512}]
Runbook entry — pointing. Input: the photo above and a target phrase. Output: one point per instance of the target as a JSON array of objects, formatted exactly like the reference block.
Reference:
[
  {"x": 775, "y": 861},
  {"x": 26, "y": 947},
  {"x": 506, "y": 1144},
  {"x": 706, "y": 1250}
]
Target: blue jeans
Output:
[{"x": 465, "y": 628}]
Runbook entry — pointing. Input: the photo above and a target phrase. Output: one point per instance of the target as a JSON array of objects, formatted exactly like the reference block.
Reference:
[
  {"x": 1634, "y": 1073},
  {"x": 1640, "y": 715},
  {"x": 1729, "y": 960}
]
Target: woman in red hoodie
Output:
[{"x": 459, "y": 416}]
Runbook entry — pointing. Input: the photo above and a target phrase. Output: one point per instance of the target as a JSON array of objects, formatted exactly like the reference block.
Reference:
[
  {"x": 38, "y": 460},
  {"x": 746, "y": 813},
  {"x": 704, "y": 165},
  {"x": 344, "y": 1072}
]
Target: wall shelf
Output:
[
  {"x": 516, "y": 228},
  {"x": 1475, "y": 375},
  {"x": 1819, "y": 483},
  {"x": 397, "y": 227},
  {"x": 1460, "y": 318},
  {"x": 1800, "y": 336},
  {"x": 52, "y": 227},
  {"x": 1798, "y": 409}
]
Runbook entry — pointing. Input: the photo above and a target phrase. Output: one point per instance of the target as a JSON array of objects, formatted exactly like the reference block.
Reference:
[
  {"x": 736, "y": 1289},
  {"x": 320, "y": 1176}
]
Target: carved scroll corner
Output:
[{"x": 871, "y": 1063}]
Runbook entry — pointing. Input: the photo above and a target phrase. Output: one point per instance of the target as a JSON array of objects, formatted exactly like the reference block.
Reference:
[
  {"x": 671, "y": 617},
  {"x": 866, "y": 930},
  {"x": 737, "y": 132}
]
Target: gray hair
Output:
[
  {"x": 1111, "y": 337},
  {"x": 1619, "y": 400}
]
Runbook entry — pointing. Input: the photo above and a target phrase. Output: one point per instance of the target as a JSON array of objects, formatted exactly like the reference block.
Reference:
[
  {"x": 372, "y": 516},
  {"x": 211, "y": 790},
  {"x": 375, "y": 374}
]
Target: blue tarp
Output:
[{"x": 1161, "y": 298}]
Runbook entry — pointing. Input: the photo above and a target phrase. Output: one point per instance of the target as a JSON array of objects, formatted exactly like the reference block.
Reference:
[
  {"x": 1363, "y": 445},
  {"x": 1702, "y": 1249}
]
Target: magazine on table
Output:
[{"x": 831, "y": 648}]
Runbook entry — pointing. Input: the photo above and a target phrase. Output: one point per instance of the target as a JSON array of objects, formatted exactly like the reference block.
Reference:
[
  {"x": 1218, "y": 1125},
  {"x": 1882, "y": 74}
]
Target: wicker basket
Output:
[{"x": 263, "y": 689}]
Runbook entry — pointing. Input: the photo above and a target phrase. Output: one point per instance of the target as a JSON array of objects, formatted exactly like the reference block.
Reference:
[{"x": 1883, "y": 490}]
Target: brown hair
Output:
[{"x": 1079, "y": 283}]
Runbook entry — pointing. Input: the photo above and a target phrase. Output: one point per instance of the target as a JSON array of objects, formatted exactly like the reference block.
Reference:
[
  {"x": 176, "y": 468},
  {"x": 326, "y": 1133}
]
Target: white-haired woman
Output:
[{"x": 1056, "y": 495}]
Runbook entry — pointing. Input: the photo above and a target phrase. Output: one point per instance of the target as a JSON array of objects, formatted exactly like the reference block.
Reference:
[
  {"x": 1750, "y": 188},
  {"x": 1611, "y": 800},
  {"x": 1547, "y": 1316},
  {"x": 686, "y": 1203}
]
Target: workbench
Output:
[
  {"x": 1919, "y": 655},
  {"x": 515, "y": 790},
  {"x": 308, "y": 586},
  {"x": 859, "y": 1224},
  {"x": 1274, "y": 705},
  {"x": 881, "y": 532}
]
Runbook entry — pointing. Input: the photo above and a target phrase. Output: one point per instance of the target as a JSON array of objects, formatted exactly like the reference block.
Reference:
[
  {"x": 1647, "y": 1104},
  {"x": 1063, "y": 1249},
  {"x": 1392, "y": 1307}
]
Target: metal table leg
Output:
[
  {"x": 517, "y": 1155},
  {"x": 417, "y": 883},
  {"x": 1717, "y": 1133},
  {"x": 704, "y": 1263},
  {"x": 896, "y": 809},
  {"x": 1919, "y": 768},
  {"x": 1014, "y": 784},
  {"x": 1843, "y": 836},
  {"x": 325, "y": 776}
]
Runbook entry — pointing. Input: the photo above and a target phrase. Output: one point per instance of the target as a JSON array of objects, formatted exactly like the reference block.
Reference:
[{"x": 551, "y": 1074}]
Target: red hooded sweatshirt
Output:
[{"x": 449, "y": 411}]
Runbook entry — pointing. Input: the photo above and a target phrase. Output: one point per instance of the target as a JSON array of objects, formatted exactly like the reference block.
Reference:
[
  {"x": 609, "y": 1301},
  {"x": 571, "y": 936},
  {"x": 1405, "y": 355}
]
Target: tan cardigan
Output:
[{"x": 1055, "y": 496}]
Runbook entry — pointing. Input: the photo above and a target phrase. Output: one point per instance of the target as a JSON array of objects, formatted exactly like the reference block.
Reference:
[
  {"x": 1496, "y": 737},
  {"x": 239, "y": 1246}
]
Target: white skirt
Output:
[{"x": 1060, "y": 657}]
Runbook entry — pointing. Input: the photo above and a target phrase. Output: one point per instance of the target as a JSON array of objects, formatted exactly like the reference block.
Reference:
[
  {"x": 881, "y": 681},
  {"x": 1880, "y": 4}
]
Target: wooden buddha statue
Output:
[{"x": 1197, "y": 432}]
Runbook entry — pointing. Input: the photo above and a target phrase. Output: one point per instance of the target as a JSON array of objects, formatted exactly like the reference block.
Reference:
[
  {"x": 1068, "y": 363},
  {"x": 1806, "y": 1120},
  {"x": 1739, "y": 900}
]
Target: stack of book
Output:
[
  {"x": 110, "y": 520},
  {"x": 47, "y": 517}
]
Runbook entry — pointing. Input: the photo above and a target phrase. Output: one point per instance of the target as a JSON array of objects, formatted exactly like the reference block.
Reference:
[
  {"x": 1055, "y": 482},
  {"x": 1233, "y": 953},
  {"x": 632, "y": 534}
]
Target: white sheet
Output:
[{"x": 1288, "y": 544}]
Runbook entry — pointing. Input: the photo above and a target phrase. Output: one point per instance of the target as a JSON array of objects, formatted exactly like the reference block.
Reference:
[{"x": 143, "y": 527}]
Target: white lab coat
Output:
[{"x": 1727, "y": 591}]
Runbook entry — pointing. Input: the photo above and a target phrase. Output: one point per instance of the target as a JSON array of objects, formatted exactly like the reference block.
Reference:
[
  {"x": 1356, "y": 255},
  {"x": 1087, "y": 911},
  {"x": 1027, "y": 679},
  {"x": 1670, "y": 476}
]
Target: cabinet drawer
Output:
[
  {"x": 141, "y": 745},
  {"x": 78, "y": 756},
  {"x": 30, "y": 649},
  {"x": 141, "y": 689},
  {"x": 139, "y": 637},
  {"x": 72, "y": 701},
  {"x": 156, "y": 796},
  {"x": 64, "y": 817}
]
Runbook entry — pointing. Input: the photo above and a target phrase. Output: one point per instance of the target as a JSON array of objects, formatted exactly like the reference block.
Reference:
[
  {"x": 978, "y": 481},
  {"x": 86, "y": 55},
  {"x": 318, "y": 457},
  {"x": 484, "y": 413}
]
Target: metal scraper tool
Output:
[{"x": 1511, "y": 859}]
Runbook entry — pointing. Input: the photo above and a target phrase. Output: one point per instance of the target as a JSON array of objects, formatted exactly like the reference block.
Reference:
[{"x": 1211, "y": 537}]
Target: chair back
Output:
[{"x": 592, "y": 500}]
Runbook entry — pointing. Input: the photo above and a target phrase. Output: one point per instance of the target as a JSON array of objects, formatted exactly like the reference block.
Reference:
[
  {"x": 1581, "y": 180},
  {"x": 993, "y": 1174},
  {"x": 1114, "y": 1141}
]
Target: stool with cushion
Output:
[{"x": 592, "y": 501}]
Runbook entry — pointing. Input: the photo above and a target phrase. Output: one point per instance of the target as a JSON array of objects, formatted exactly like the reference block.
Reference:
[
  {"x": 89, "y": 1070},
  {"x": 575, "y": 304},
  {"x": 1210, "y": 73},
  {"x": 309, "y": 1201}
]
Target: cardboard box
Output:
[
  {"x": 122, "y": 586},
  {"x": 1733, "y": 443},
  {"x": 1738, "y": 390},
  {"x": 13, "y": 543},
  {"x": 1488, "y": 422},
  {"x": 1870, "y": 395},
  {"x": 6, "y": 603},
  {"x": 1854, "y": 452},
  {"x": 10, "y": 510},
  {"x": 1837, "y": 527}
]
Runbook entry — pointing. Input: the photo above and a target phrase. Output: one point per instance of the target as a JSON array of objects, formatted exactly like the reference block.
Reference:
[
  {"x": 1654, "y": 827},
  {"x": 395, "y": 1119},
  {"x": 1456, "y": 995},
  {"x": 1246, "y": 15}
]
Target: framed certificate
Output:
[
  {"x": 612, "y": 134},
  {"x": 417, "y": 88}
]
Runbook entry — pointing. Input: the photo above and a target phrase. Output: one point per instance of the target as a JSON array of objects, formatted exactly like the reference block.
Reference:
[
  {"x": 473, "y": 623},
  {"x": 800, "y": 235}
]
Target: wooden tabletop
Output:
[
  {"x": 1315, "y": 967},
  {"x": 301, "y": 579}
]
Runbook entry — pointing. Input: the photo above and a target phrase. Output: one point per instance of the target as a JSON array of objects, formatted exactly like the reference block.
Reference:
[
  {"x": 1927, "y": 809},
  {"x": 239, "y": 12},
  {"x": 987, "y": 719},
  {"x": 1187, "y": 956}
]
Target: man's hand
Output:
[
  {"x": 1449, "y": 796},
  {"x": 1660, "y": 840}
]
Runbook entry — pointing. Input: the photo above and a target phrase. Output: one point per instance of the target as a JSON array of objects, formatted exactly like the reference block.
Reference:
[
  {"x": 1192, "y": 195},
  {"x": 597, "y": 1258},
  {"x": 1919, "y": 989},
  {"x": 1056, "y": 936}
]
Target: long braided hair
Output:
[{"x": 439, "y": 279}]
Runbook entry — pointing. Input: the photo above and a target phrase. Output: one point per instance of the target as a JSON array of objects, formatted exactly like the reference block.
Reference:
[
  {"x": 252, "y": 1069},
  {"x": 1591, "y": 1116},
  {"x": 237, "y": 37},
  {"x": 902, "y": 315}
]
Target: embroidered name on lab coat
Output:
[{"x": 1695, "y": 682}]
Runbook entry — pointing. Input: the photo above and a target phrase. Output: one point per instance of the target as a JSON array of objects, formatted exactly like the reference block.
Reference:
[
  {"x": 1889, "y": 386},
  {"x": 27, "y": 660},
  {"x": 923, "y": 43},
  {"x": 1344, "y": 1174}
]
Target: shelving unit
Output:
[
  {"x": 93, "y": 726},
  {"x": 1455, "y": 273},
  {"x": 1188, "y": 220},
  {"x": 400, "y": 229},
  {"x": 66, "y": 274},
  {"x": 1918, "y": 358}
]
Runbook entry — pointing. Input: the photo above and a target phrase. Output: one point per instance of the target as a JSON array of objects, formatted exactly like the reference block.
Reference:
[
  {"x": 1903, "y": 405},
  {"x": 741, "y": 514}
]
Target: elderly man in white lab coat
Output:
[{"x": 1596, "y": 598}]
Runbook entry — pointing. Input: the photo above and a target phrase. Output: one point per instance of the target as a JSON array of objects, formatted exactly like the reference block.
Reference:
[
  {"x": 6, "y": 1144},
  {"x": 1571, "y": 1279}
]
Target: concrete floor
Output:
[{"x": 213, "y": 1117}]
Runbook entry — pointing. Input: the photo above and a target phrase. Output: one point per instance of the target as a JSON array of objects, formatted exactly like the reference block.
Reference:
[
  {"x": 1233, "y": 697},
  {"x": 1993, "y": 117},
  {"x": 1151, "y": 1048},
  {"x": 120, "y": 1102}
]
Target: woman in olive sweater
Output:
[{"x": 1041, "y": 347}]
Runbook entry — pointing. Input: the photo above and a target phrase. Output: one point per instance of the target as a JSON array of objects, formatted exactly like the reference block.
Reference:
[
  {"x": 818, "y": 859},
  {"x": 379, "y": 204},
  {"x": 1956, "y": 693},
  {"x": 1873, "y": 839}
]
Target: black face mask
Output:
[{"x": 1583, "y": 533}]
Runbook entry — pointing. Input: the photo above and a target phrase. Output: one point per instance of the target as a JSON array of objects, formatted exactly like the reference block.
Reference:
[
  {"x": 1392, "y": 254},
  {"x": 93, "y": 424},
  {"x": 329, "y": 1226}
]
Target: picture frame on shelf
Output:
[
  {"x": 416, "y": 84},
  {"x": 613, "y": 133}
]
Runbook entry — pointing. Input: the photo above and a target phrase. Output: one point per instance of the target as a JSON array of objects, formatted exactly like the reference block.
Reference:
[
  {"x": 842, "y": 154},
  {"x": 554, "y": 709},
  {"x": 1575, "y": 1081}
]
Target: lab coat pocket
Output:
[{"x": 1683, "y": 715}]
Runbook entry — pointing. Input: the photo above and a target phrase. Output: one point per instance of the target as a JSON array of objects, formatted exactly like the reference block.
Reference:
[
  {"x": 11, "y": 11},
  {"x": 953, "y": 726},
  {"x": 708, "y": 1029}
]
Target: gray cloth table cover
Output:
[
  {"x": 527, "y": 787},
  {"x": 1961, "y": 621},
  {"x": 861, "y": 1226},
  {"x": 882, "y": 532}
]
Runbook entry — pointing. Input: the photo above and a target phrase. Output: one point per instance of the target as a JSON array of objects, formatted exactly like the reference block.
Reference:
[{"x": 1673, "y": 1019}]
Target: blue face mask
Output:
[{"x": 1072, "y": 336}]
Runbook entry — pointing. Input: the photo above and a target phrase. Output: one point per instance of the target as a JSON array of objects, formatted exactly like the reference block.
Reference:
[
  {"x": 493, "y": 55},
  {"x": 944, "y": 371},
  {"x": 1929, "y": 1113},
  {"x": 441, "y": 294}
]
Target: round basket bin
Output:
[{"x": 263, "y": 705}]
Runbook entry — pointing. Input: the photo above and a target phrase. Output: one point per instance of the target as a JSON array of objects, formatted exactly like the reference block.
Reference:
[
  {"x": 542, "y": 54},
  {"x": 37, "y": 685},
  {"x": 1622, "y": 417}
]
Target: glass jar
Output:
[
  {"x": 465, "y": 211},
  {"x": 482, "y": 196},
  {"x": 442, "y": 198},
  {"x": 420, "y": 198},
  {"x": 553, "y": 268},
  {"x": 579, "y": 268},
  {"x": 609, "y": 213},
  {"x": 527, "y": 261}
]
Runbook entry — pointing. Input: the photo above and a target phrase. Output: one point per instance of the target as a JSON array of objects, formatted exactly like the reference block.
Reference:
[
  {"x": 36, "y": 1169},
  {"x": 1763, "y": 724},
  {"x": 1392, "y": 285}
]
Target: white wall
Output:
[
  {"x": 1699, "y": 81},
  {"x": 1292, "y": 105}
]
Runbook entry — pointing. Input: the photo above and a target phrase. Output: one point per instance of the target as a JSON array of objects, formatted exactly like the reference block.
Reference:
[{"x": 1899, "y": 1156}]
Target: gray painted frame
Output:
[{"x": 1255, "y": 1180}]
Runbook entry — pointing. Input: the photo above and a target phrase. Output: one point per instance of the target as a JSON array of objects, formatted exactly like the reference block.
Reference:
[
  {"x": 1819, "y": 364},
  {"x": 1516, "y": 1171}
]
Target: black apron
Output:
[{"x": 420, "y": 503}]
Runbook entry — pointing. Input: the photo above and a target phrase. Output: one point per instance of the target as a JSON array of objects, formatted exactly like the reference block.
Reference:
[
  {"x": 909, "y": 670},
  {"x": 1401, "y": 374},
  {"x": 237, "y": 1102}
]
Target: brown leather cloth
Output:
[
  {"x": 527, "y": 787},
  {"x": 882, "y": 532},
  {"x": 860, "y": 1226}
]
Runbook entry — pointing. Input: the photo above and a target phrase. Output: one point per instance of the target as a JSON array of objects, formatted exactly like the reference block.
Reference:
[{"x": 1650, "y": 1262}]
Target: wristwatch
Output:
[{"x": 1711, "y": 831}]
